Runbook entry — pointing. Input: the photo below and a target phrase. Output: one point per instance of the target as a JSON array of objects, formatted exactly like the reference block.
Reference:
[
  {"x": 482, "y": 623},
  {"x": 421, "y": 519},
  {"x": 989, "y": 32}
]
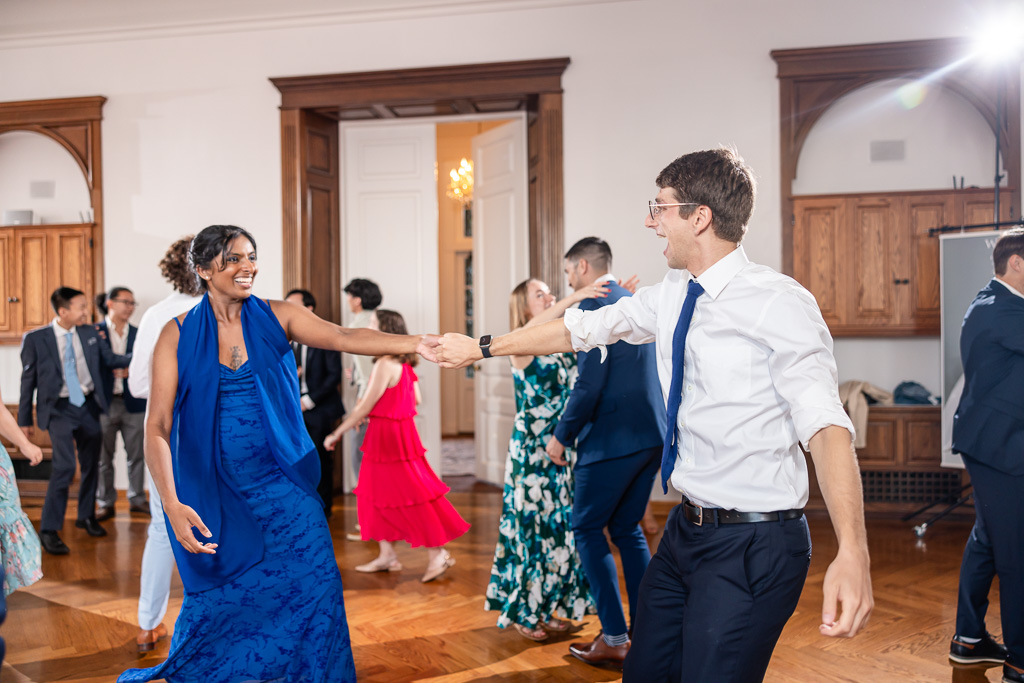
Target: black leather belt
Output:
[{"x": 696, "y": 514}]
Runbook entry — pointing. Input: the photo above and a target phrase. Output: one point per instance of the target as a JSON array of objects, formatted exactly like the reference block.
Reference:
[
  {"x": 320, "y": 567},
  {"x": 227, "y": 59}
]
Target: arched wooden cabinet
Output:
[
  {"x": 868, "y": 257},
  {"x": 36, "y": 259}
]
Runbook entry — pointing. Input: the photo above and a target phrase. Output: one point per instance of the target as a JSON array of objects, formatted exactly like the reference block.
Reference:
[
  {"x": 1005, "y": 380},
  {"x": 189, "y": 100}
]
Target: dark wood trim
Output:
[
  {"x": 74, "y": 123},
  {"x": 534, "y": 85},
  {"x": 813, "y": 79},
  {"x": 547, "y": 229}
]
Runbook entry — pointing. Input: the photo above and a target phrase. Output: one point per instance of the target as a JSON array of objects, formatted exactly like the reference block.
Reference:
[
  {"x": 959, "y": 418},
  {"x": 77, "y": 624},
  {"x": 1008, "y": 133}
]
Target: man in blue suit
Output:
[
  {"x": 616, "y": 419},
  {"x": 988, "y": 431},
  {"x": 63, "y": 363}
]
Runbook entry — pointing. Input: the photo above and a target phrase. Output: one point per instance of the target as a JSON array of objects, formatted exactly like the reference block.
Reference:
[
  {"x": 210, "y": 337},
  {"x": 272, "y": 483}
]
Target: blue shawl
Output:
[{"x": 199, "y": 477}]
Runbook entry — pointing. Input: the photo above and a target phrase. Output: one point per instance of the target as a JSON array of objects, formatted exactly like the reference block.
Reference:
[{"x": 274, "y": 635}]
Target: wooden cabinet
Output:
[
  {"x": 869, "y": 258},
  {"x": 902, "y": 437},
  {"x": 37, "y": 260},
  {"x": 901, "y": 463}
]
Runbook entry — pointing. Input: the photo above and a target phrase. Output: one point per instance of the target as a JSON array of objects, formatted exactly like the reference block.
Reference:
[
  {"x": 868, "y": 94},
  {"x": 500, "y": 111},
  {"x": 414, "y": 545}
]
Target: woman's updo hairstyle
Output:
[
  {"x": 103, "y": 297},
  {"x": 212, "y": 242}
]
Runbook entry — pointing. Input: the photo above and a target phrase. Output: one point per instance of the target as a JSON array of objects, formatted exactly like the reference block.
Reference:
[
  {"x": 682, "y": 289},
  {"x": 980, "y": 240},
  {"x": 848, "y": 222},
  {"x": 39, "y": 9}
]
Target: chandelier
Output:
[{"x": 460, "y": 187}]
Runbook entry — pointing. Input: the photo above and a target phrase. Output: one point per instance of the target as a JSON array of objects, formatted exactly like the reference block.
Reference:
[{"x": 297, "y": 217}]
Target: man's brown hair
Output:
[
  {"x": 1009, "y": 243},
  {"x": 718, "y": 179}
]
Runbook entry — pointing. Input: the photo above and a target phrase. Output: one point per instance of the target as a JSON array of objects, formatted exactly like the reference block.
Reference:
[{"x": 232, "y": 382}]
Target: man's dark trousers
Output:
[
  {"x": 72, "y": 426},
  {"x": 1003, "y": 521},
  {"x": 977, "y": 569},
  {"x": 725, "y": 592},
  {"x": 613, "y": 494}
]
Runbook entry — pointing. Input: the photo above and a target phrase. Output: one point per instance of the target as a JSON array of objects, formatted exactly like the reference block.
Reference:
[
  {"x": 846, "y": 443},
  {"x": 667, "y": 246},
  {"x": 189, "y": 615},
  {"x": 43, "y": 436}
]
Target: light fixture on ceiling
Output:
[{"x": 460, "y": 185}]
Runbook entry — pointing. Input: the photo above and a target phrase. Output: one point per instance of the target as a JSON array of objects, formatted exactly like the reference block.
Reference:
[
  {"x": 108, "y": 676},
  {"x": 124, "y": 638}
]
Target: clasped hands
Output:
[{"x": 451, "y": 350}]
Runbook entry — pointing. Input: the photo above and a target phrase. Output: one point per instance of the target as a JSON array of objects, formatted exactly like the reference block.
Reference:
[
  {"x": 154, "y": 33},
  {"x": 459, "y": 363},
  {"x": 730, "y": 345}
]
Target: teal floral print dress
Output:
[{"x": 537, "y": 575}]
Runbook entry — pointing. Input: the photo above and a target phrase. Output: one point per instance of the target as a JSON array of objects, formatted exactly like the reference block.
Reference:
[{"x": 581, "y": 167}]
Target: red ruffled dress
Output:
[{"x": 399, "y": 496}]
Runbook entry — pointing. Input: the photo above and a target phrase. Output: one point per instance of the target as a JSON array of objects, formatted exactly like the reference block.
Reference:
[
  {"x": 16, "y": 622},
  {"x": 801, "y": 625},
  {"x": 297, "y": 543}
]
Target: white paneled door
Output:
[
  {"x": 389, "y": 235},
  {"x": 501, "y": 261}
]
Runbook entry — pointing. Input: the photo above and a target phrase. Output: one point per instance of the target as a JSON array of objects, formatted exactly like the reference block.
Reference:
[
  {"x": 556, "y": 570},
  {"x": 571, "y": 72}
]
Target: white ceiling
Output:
[{"x": 25, "y": 23}]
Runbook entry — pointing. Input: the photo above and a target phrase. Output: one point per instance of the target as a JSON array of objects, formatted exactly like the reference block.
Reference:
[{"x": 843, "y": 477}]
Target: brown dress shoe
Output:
[
  {"x": 146, "y": 640},
  {"x": 600, "y": 652}
]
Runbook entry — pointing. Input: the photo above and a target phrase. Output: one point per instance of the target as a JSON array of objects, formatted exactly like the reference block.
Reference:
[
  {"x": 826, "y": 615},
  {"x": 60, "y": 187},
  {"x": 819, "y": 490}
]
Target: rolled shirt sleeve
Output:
[
  {"x": 802, "y": 364},
  {"x": 630, "y": 319}
]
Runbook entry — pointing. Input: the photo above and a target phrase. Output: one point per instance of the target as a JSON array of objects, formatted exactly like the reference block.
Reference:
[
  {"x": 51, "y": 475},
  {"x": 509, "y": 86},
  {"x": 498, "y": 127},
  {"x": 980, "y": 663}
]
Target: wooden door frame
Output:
[
  {"x": 811, "y": 80},
  {"x": 533, "y": 85},
  {"x": 74, "y": 124}
]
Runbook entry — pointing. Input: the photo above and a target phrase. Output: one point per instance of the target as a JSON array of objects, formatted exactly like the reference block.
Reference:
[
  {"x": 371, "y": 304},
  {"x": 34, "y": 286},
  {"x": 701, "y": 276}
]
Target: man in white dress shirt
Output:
[
  {"x": 747, "y": 380},
  {"x": 157, "y": 557}
]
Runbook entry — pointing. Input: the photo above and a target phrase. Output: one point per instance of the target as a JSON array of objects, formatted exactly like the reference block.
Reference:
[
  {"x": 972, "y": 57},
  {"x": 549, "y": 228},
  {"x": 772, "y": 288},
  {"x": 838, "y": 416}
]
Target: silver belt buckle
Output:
[{"x": 700, "y": 514}]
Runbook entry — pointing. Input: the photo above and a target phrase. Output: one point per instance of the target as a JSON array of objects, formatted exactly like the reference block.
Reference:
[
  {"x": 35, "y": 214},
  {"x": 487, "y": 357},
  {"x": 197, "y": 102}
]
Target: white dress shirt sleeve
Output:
[
  {"x": 802, "y": 365},
  {"x": 142, "y": 354},
  {"x": 632, "y": 319}
]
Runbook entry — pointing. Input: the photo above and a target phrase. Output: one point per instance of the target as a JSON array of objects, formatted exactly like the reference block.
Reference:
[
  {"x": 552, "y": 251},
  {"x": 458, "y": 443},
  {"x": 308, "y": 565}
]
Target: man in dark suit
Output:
[
  {"x": 319, "y": 377},
  {"x": 616, "y": 418},
  {"x": 988, "y": 431},
  {"x": 62, "y": 362},
  {"x": 125, "y": 412}
]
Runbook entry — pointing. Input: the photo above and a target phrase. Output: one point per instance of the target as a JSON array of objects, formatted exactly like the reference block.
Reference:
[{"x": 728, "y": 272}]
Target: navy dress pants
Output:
[
  {"x": 977, "y": 569},
  {"x": 73, "y": 429},
  {"x": 999, "y": 504},
  {"x": 613, "y": 494},
  {"x": 714, "y": 600}
]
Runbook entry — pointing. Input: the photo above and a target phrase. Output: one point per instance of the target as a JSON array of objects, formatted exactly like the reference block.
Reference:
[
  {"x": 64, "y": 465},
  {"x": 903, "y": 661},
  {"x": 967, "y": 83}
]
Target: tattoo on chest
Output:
[{"x": 236, "y": 357}]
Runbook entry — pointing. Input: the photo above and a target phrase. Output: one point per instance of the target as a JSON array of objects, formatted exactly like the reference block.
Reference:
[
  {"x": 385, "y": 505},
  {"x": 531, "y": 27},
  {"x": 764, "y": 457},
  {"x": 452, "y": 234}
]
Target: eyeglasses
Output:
[
  {"x": 126, "y": 302},
  {"x": 656, "y": 210}
]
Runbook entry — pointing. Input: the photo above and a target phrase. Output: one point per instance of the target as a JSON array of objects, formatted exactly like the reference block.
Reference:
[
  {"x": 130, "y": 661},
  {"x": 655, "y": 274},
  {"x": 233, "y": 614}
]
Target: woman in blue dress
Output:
[{"x": 237, "y": 473}]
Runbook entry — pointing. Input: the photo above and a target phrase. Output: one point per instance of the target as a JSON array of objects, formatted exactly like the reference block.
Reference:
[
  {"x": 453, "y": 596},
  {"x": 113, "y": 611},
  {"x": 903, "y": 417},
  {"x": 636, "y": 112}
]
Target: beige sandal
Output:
[
  {"x": 380, "y": 565},
  {"x": 537, "y": 635},
  {"x": 556, "y": 625},
  {"x": 432, "y": 574}
]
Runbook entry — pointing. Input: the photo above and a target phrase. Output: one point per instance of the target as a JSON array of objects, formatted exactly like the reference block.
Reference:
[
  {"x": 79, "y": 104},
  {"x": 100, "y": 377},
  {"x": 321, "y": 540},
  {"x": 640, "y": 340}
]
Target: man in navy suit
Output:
[
  {"x": 988, "y": 431},
  {"x": 319, "y": 377},
  {"x": 62, "y": 362},
  {"x": 616, "y": 419},
  {"x": 125, "y": 412}
]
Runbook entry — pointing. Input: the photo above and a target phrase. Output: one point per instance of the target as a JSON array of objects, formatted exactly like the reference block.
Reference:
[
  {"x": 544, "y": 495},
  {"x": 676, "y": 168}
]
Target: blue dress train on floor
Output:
[{"x": 283, "y": 619}]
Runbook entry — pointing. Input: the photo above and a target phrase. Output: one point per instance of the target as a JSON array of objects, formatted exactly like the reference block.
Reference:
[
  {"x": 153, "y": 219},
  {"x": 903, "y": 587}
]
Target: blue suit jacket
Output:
[
  {"x": 616, "y": 407},
  {"x": 989, "y": 422},
  {"x": 43, "y": 370},
  {"x": 131, "y": 404}
]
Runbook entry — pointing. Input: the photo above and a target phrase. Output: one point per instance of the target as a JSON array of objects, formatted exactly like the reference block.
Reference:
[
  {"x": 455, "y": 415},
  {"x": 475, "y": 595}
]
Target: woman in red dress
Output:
[{"x": 399, "y": 496}]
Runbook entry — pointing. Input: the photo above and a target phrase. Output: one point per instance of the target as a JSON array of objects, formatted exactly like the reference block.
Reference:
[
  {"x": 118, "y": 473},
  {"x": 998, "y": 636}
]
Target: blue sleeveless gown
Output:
[{"x": 283, "y": 620}]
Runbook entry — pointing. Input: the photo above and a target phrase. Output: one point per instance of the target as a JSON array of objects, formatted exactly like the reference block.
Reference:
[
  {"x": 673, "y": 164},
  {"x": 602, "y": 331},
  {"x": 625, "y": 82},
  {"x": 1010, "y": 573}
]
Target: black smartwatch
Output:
[{"x": 485, "y": 345}]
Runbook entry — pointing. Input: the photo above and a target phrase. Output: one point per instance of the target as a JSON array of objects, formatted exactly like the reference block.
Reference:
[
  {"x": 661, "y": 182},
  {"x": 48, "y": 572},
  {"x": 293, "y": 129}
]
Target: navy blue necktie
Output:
[{"x": 675, "y": 392}]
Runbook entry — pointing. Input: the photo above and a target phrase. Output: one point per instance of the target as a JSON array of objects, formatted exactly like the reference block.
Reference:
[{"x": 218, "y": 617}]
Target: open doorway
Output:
[
  {"x": 440, "y": 261},
  {"x": 312, "y": 107}
]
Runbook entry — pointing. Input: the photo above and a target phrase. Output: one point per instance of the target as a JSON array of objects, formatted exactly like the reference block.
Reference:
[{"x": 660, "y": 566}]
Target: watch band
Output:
[{"x": 485, "y": 345}]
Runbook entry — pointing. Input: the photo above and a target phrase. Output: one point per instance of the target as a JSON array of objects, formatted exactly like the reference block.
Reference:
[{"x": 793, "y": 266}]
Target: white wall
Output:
[
  {"x": 191, "y": 127},
  {"x": 27, "y": 158},
  {"x": 943, "y": 136}
]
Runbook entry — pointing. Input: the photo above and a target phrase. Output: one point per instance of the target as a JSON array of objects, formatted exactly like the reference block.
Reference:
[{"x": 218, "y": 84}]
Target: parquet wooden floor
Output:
[{"x": 78, "y": 623}]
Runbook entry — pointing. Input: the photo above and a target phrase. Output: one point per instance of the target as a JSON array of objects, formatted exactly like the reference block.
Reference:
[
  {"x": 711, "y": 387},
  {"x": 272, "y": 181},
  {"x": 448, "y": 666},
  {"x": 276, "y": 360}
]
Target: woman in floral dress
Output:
[
  {"x": 20, "y": 553},
  {"x": 537, "y": 581}
]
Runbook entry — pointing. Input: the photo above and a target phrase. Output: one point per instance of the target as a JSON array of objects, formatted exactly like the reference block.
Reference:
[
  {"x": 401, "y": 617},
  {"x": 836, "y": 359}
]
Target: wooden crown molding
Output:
[{"x": 402, "y": 86}]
